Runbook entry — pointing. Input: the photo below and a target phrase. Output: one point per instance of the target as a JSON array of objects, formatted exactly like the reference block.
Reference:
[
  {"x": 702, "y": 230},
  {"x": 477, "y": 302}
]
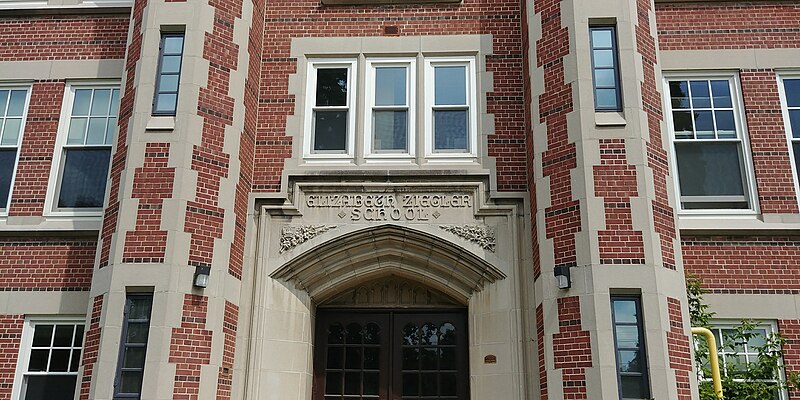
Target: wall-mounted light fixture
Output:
[
  {"x": 562, "y": 276},
  {"x": 201, "y": 276}
]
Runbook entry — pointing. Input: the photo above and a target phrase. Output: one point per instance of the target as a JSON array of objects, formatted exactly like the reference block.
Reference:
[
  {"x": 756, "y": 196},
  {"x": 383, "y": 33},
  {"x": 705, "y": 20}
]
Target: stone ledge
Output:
[{"x": 382, "y": 2}]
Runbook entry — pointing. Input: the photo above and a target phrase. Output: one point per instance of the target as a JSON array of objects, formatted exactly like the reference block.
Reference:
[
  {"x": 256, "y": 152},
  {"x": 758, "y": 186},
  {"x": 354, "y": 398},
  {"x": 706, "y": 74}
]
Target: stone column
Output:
[
  {"x": 604, "y": 204},
  {"x": 178, "y": 199}
]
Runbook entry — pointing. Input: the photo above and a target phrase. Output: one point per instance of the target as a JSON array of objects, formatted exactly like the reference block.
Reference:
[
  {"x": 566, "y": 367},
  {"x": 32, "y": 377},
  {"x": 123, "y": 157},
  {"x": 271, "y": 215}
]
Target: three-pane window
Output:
[
  {"x": 50, "y": 359},
  {"x": 708, "y": 138},
  {"x": 605, "y": 68},
  {"x": 86, "y": 150},
  {"x": 391, "y": 110},
  {"x": 170, "y": 58},
  {"x": 13, "y": 105}
]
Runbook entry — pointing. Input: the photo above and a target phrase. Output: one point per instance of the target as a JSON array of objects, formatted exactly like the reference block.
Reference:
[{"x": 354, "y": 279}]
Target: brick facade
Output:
[{"x": 236, "y": 154}]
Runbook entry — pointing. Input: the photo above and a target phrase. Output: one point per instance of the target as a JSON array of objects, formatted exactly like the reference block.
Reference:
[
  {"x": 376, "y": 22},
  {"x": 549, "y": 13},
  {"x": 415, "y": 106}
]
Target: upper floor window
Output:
[
  {"x": 50, "y": 354},
  {"x": 165, "y": 101},
  {"x": 605, "y": 68},
  {"x": 391, "y": 130},
  {"x": 790, "y": 96},
  {"x": 711, "y": 155},
  {"x": 87, "y": 133},
  {"x": 13, "y": 107}
]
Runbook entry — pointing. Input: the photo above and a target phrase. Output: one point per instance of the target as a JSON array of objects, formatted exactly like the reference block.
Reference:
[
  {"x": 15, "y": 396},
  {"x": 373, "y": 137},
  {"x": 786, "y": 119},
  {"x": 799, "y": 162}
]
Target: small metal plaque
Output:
[{"x": 490, "y": 359}]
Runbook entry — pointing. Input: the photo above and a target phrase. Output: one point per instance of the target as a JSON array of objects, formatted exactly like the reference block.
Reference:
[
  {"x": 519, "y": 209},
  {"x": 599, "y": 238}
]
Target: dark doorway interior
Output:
[{"x": 391, "y": 355}]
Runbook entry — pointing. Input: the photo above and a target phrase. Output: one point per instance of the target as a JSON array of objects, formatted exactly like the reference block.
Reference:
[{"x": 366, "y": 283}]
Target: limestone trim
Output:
[
  {"x": 368, "y": 253},
  {"x": 291, "y": 236},
  {"x": 483, "y": 236}
]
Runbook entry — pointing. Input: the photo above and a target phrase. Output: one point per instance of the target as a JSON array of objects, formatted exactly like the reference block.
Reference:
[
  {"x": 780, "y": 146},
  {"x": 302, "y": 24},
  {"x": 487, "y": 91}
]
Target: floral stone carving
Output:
[
  {"x": 481, "y": 235},
  {"x": 293, "y": 236}
]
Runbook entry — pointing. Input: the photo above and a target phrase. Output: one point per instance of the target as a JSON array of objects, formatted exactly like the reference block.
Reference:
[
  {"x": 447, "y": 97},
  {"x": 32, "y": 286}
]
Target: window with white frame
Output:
[
  {"x": 708, "y": 136},
  {"x": 442, "y": 122},
  {"x": 87, "y": 132},
  {"x": 735, "y": 353},
  {"x": 50, "y": 354},
  {"x": 790, "y": 97},
  {"x": 13, "y": 109},
  {"x": 390, "y": 99}
]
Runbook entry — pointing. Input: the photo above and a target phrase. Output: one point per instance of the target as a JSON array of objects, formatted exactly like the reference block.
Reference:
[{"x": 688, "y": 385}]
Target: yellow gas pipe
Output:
[{"x": 716, "y": 378}]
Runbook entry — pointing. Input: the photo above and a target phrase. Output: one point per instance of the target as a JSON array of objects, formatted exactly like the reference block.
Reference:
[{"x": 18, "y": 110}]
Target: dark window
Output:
[
  {"x": 709, "y": 149},
  {"x": 391, "y": 355},
  {"x": 170, "y": 56},
  {"x": 331, "y": 110},
  {"x": 450, "y": 109},
  {"x": 12, "y": 118},
  {"x": 133, "y": 347},
  {"x": 86, "y": 153},
  {"x": 630, "y": 347},
  {"x": 52, "y": 370},
  {"x": 605, "y": 68}
]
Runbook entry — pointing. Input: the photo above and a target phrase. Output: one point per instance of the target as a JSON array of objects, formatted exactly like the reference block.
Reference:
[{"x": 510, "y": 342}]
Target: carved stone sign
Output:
[{"x": 389, "y": 206}]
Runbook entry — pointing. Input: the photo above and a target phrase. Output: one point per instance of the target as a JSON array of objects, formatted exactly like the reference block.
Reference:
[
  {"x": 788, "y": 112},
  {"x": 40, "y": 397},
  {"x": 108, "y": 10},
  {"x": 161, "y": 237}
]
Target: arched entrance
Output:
[{"x": 391, "y": 338}]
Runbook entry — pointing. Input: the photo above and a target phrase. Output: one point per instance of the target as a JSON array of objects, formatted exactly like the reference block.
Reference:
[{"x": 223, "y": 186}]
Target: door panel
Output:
[{"x": 391, "y": 355}]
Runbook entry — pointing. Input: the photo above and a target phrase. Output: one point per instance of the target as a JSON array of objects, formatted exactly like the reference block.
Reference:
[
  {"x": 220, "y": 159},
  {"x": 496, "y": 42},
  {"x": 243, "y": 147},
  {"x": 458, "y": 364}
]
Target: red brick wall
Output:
[
  {"x": 287, "y": 19},
  {"x": 790, "y": 330},
  {"x": 680, "y": 355},
  {"x": 767, "y": 134},
  {"x": 744, "y": 264},
  {"x": 190, "y": 347},
  {"x": 657, "y": 160},
  {"x": 572, "y": 350},
  {"x": 728, "y": 25},
  {"x": 63, "y": 37},
  {"x": 540, "y": 349},
  {"x": 10, "y": 337},
  {"x": 562, "y": 218},
  {"x": 36, "y": 152},
  {"x": 46, "y": 264},
  {"x": 119, "y": 158},
  {"x": 225, "y": 379},
  {"x": 615, "y": 182},
  {"x": 152, "y": 183},
  {"x": 91, "y": 347}
]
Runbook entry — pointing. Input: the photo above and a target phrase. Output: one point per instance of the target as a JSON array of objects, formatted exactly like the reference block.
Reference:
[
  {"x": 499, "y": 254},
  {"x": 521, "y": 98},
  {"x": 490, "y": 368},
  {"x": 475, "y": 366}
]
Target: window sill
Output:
[
  {"x": 160, "y": 123},
  {"x": 51, "y": 223},
  {"x": 609, "y": 118},
  {"x": 739, "y": 222}
]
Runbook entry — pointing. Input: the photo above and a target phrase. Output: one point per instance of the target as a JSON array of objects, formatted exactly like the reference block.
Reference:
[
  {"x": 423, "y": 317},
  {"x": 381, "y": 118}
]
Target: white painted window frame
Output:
[
  {"x": 788, "y": 127},
  {"x": 372, "y": 64},
  {"x": 472, "y": 136},
  {"x": 27, "y": 341},
  {"x": 28, "y": 89},
  {"x": 741, "y": 132},
  {"x": 770, "y": 326},
  {"x": 54, "y": 182},
  {"x": 311, "y": 83}
]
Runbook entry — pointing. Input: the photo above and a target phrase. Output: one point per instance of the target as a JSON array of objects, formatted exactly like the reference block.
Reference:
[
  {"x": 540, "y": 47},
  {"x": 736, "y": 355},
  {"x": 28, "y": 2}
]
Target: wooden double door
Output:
[{"x": 391, "y": 355}]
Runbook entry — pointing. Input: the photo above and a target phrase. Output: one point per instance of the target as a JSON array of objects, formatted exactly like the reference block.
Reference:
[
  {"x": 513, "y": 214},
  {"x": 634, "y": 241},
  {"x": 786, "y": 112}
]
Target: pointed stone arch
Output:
[{"x": 367, "y": 254}]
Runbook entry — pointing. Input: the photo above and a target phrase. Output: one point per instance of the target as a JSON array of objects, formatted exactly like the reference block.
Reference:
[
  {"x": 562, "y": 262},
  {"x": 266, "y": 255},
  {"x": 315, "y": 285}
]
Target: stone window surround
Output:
[
  {"x": 364, "y": 49},
  {"x": 742, "y": 133}
]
